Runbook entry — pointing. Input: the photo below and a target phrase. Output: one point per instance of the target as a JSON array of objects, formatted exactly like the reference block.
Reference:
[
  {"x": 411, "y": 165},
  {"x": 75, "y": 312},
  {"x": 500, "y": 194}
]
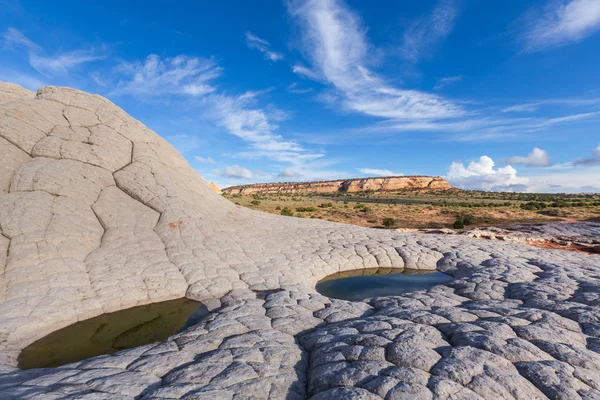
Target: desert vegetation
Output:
[{"x": 428, "y": 209}]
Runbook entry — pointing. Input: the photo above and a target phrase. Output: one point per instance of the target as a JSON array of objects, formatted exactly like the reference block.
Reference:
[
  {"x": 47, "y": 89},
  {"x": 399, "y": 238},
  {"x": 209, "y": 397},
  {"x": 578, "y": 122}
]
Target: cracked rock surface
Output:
[{"x": 99, "y": 214}]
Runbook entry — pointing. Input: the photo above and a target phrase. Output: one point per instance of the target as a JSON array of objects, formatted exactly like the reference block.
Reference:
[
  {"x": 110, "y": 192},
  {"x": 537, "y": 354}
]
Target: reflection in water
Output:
[
  {"x": 112, "y": 332},
  {"x": 357, "y": 285}
]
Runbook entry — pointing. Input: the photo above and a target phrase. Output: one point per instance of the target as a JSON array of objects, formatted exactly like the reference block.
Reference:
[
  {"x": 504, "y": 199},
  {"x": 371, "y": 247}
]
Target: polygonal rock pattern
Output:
[{"x": 98, "y": 213}]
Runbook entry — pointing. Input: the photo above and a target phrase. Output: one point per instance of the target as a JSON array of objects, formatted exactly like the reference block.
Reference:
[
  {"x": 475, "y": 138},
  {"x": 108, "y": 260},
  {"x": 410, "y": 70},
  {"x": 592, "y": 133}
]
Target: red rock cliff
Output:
[{"x": 344, "y": 185}]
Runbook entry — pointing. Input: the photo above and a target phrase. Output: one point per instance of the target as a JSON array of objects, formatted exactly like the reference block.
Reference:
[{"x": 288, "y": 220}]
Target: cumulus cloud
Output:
[
  {"x": 58, "y": 63},
  {"x": 377, "y": 172},
  {"x": 254, "y": 42},
  {"x": 205, "y": 160},
  {"x": 481, "y": 175},
  {"x": 562, "y": 22},
  {"x": 425, "y": 32},
  {"x": 442, "y": 83},
  {"x": 180, "y": 75},
  {"x": 537, "y": 158},
  {"x": 235, "y": 171},
  {"x": 333, "y": 38},
  {"x": 593, "y": 160}
]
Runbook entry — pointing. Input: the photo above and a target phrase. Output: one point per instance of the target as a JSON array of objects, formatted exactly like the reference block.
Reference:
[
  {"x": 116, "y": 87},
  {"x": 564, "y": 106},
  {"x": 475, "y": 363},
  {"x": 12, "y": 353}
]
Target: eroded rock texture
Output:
[{"x": 98, "y": 213}]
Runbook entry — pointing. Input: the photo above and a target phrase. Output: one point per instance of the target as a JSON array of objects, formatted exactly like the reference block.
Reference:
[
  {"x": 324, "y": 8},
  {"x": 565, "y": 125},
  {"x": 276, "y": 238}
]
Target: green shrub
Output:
[
  {"x": 287, "y": 212},
  {"x": 468, "y": 220},
  {"x": 459, "y": 224},
  {"x": 389, "y": 222},
  {"x": 326, "y": 205},
  {"x": 305, "y": 209}
]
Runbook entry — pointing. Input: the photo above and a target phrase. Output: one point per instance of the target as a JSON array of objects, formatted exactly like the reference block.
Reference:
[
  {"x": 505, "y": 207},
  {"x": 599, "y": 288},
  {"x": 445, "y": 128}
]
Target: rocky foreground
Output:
[
  {"x": 98, "y": 214},
  {"x": 575, "y": 236}
]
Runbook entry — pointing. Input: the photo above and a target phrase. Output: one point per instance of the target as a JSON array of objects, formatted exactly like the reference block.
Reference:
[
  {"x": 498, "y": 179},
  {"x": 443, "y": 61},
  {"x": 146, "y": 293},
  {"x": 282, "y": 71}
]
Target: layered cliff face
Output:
[{"x": 345, "y": 185}]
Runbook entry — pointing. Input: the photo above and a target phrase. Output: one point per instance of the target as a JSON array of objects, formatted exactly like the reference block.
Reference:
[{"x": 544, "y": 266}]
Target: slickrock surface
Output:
[
  {"x": 98, "y": 213},
  {"x": 345, "y": 185},
  {"x": 576, "y": 236}
]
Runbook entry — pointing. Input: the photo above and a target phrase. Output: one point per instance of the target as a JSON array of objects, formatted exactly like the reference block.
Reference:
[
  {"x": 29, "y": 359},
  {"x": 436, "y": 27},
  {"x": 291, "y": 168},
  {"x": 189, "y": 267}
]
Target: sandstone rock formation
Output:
[
  {"x": 98, "y": 213},
  {"x": 345, "y": 185},
  {"x": 214, "y": 187}
]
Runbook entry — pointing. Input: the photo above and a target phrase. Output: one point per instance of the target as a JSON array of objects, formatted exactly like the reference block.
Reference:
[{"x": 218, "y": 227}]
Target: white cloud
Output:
[
  {"x": 204, "y": 160},
  {"x": 593, "y": 160},
  {"x": 235, "y": 171},
  {"x": 481, "y": 175},
  {"x": 334, "y": 40},
  {"x": 15, "y": 38},
  {"x": 61, "y": 63},
  {"x": 58, "y": 63},
  {"x": 562, "y": 22},
  {"x": 254, "y": 42},
  {"x": 293, "y": 88},
  {"x": 378, "y": 172},
  {"x": 537, "y": 158},
  {"x": 535, "y": 105},
  {"x": 180, "y": 75},
  {"x": 240, "y": 116},
  {"x": 424, "y": 33},
  {"x": 305, "y": 72},
  {"x": 289, "y": 173},
  {"x": 442, "y": 83}
]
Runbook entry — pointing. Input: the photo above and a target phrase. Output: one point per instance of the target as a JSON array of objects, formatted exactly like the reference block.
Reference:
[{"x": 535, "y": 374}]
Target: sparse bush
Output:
[
  {"x": 278, "y": 208},
  {"x": 287, "y": 212},
  {"x": 389, "y": 222},
  {"x": 459, "y": 224},
  {"x": 255, "y": 202},
  {"x": 372, "y": 221},
  {"x": 306, "y": 209},
  {"x": 468, "y": 220},
  {"x": 326, "y": 205}
]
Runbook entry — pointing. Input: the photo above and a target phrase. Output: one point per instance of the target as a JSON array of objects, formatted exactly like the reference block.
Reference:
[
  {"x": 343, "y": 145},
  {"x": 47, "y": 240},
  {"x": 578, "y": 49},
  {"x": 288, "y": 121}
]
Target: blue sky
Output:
[{"x": 493, "y": 95}]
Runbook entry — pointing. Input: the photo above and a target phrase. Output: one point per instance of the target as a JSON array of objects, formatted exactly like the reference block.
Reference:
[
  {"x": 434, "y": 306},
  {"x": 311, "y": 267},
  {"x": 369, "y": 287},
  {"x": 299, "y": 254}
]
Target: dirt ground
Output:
[{"x": 427, "y": 209}]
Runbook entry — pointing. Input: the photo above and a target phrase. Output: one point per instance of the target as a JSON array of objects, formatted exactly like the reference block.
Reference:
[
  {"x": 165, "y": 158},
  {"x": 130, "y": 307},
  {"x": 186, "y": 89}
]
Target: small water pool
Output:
[
  {"x": 109, "y": 333},
  {"x": 357, "y": 285}
]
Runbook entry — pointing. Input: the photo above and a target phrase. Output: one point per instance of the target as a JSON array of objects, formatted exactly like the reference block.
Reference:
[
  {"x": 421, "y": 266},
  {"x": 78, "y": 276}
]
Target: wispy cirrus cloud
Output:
[
  {"x": 378, "y": 172},
  {"x": 254, "y": 42},
  {"x": 241, "y": 115},
  {"x": 180, "y": 75},
  {"x": 424, "y": 33},
  {"x": 58, "y": 63},
  {"x": 533, "y": 106},
  {"x": 333, "y": 38},
  {"x": 559, "y": 23},
  {"x": 443, "y": 82}
]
